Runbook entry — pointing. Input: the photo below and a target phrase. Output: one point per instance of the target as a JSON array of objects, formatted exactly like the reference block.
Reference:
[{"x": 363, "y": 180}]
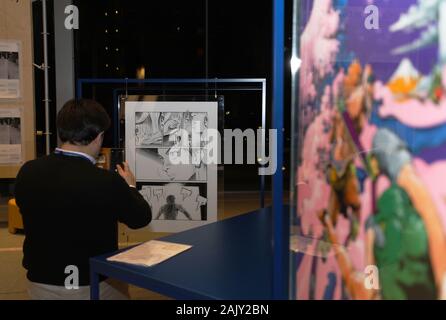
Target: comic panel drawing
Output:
[
  {"x": 166, "y": 129},
  {"x": 160, "y": 165},
  {"x": 167, "y": 146},
  {"x": 176, "y": 201}
]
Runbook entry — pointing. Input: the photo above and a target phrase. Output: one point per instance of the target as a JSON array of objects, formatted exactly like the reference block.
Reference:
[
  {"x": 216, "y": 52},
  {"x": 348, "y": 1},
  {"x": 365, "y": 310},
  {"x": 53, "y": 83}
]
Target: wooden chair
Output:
[{"x": 14, "y": 217}]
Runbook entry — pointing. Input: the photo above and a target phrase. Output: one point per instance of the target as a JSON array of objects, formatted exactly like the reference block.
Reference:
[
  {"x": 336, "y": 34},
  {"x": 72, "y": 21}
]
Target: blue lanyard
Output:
[{"x": 69, "y": 154}]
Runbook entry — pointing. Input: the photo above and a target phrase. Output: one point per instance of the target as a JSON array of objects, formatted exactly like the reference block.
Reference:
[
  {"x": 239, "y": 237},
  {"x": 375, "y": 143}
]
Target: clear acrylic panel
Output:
[{"x": 369, "y": 150}]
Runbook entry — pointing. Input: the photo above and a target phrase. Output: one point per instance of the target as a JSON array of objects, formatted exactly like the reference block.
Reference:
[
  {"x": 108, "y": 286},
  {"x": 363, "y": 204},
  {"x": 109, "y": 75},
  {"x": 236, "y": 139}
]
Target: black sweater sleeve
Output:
[
  {"x": 133, "y": 209},
  {"x": 20, "y": 186}
]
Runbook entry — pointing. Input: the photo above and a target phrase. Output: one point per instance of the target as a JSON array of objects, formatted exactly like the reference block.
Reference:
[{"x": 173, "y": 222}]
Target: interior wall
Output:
[
  {"x": 16, "y": 24},
  {"x": 64, "y": 48}
]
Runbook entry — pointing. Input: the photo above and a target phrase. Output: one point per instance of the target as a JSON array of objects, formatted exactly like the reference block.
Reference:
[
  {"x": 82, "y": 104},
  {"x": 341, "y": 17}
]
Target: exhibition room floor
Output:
[{"x": 12, "y": 274}]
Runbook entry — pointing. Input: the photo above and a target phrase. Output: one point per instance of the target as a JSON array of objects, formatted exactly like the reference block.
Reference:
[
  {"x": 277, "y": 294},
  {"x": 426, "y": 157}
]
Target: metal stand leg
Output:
[{"x": 94, "y": 285}]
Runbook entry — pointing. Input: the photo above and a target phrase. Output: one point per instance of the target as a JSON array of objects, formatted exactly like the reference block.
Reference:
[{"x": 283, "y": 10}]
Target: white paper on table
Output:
[{"x": 150, "y": 253}]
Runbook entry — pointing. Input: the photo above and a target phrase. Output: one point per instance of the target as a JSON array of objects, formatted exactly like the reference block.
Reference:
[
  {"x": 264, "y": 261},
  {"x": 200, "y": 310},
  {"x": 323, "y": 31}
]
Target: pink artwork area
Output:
[{"x": 371, "y": 156}]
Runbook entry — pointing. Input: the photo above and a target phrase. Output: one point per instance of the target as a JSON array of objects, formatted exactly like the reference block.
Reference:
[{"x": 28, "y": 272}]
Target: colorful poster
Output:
[
  {"x": 167, "y": 148},
  {"x": 371, "y": 156}
]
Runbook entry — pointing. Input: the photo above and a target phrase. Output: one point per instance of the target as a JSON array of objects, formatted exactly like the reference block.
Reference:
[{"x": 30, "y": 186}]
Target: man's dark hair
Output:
[{"x": 81, "y": 121}]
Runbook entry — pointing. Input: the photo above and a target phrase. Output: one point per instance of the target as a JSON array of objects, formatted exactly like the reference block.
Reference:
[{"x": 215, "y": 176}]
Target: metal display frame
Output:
[
  {"x": 281, "y": 232},
  {"x": 281, "y": 223},
  {"x": 260, "y": 82},
  {"x": 280, "y": 217}
]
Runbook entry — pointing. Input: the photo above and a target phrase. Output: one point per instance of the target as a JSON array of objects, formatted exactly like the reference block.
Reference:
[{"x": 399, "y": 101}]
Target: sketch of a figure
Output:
[
  {"x": 190, "y": 171},
  {"x": 181, "y": 197},
  {"x": 170, "y": 209},
  {"x": 163, "y": 164},
  {"x": 156, "y": 128},
  {"x": 147, "y": 129},
  {"x": 168, "y": 144},
  {"x": 170, "y": 122},
  {"x": 10, "y": 131}
]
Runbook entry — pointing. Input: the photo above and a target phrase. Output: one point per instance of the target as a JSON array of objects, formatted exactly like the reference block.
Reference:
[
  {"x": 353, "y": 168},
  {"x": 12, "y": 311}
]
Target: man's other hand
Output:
[{"x": 125, "y": 172}]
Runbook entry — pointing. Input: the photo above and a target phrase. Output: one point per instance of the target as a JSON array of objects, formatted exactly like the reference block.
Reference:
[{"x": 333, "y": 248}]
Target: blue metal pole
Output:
[
  {"x": 116, "y": 81},
  {"x": 262, "y": 178},
  {"x": 79, "y": 88},
  {"x": 281, "y": 223},
  {"x": 116, "y": 119}
]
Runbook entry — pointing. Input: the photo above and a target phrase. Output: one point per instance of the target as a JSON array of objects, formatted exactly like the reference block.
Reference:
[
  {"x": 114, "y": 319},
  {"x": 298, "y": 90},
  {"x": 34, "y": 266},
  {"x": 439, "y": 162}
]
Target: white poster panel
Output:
[
  {"x": 10, "y": 60},
  {"x": 182, "y": 194},
  {"x": 10, "y": 136}
]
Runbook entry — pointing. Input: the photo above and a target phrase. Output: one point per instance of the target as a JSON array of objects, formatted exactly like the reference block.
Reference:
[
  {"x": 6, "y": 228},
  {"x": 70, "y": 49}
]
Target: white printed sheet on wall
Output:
[
  {"x": 10, "y": 136},
  {"x": 9, "y": 69}
]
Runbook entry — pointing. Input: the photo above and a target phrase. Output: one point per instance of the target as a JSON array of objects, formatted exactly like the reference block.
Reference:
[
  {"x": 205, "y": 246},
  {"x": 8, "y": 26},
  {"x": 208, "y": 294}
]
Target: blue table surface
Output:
[{"x": 230, "y": 259}]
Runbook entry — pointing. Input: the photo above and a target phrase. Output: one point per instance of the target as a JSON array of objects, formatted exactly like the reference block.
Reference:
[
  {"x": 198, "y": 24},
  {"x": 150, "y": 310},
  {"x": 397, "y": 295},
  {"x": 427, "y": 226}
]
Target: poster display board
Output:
[
  {"x": 167, "y": 149},
  {"x": 10, "y": 59},
  {"x": 370, "y": 150},
  {"x": 10, "y": 136},
  {"x": 17, "y": 83}
]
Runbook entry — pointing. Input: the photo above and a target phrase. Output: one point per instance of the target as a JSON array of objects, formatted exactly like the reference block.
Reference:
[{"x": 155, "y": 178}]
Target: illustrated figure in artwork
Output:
[
  {"x": 170, "y": 210},
  {"x": 403, "y": 238},
  {"x": 342, "y": 174},
  {"x": 170, "y": 128}
]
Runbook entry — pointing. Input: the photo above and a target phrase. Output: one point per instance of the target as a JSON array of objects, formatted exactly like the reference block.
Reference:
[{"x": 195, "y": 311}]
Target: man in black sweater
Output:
[{"x": 71, "y": 208}]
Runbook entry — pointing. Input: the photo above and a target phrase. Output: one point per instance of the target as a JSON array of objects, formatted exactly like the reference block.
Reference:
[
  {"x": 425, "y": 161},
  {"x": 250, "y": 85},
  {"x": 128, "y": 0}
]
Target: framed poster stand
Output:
[
  {"x": 169, "y": 148},
  {"x": 207, "y": 89}
]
